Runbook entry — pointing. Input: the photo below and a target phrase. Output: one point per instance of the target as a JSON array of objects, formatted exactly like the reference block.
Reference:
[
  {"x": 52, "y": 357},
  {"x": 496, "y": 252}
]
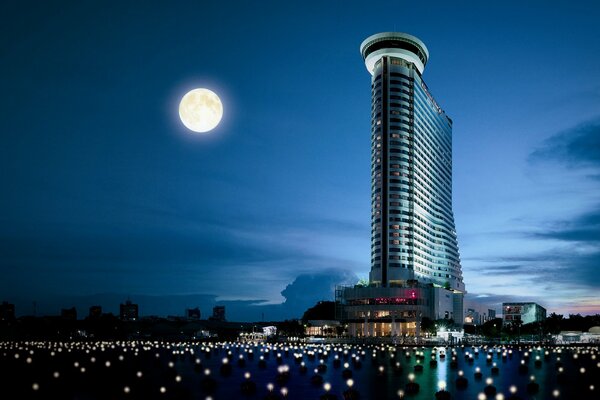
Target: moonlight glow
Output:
[{"x": 200, "y": 110}]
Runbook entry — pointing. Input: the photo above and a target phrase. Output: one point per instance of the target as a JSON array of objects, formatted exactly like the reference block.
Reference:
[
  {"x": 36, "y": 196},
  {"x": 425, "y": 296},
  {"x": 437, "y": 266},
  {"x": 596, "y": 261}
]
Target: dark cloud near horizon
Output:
[
  {"x": 575, "y": 147},
  {"x": 585, "y": 229},
  {"x": 575, "y": 260},
  {"x": 307, "y": 289}
]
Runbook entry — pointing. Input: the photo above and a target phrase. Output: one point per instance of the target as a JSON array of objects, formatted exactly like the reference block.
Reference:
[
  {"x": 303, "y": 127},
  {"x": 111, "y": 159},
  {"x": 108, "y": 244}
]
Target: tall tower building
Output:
[
  {"x": 412, "y": 224},
  {"x": 415, "y": 265}
]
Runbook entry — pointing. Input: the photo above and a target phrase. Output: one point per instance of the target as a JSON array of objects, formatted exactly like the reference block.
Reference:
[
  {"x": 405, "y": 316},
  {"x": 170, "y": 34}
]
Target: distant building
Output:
[
  {"x": 7, "y": 311},
  {"x": 69, "y": 313},
  {"x": 95, "y": 312},
  {"x": 129, "y": 311},
  {"x": 193, "y": 313},
  {"x": 524, "y": 312},
  {"x": 491, "y": 314},
  {"x": 218, "y": 314},
  {"x": 269, "y": 330},
  {"x": 472, "y": 317},
  {"x": 321, "y": 327}
]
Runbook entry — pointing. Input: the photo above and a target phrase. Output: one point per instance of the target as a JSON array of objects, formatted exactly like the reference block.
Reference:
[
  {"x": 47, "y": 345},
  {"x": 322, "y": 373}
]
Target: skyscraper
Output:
[
  {"x": 415, "y": 264},
  {"x": 412, "y": 224}
]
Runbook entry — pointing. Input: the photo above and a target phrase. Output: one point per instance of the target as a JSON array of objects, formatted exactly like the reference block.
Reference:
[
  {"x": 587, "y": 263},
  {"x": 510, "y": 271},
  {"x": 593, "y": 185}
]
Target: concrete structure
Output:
[
  {"x": 129, "y": 311},
  {"x": 524, "y": 312},
  {"x": 415, "y": 264}
]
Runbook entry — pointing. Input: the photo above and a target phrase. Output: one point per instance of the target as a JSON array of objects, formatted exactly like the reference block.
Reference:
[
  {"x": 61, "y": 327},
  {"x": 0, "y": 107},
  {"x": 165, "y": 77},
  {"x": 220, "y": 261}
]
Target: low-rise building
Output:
[
  {"x": 526, "y": 313},
  {"x": 472, "y": 317},
  {"x": 129, "y": 311},
  {"x": 397, "y": 310},
  {"x": 321, "y": 327}
]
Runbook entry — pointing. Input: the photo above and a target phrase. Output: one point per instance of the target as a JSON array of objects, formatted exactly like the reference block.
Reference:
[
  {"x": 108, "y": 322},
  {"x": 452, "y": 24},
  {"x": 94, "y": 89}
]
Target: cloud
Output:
[
  {"x": 573, "y": 259},
  {"x": 585, "y": 228},
  {"x": 510, "y": 269},
  {"x": 575, "y": 147},
  {"x": 307, "y": 289},
  {"x": 154, "y": 250}
]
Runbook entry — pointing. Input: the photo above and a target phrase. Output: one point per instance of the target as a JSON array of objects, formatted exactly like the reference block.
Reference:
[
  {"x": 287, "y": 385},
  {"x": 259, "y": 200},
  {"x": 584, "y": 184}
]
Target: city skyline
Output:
[{"x": 108, "y": 197}]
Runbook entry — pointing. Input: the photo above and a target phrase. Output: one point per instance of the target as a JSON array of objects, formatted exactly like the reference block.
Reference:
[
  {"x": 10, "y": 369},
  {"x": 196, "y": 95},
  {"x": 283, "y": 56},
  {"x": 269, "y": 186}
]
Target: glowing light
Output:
[{"x": 200, "y": 110}]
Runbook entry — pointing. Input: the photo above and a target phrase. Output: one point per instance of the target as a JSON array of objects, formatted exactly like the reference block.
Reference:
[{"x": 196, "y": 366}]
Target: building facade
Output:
[
  {"x": 7, "y": 311},
  {"x": 526, "y": 313},
  {"x": 415, "y": 264},
  {"x": 129, "y": 311},
  {"x": 218, "y": 314},
  {"x": 193, "y": 313},
  {"x": 472, "y": 317},
  {"x": 95, "y": 312}
]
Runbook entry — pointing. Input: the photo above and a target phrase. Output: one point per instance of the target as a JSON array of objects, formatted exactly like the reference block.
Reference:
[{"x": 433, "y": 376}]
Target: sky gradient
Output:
[{"x": 107, "y": 196}]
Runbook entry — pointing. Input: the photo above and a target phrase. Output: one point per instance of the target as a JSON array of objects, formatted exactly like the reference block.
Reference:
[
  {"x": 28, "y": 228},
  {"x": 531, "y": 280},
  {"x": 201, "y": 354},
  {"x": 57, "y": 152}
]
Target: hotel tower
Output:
[{"x": 415, "y": 264}]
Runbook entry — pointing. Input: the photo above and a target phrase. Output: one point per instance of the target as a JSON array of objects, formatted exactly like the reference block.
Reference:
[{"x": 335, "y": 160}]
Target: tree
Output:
[
  {"x": 553, "y": 324},
  {"x": 427, "y": 325},
  {"x": 492, "y": 328},
  {"x": 323, "y": 310}
]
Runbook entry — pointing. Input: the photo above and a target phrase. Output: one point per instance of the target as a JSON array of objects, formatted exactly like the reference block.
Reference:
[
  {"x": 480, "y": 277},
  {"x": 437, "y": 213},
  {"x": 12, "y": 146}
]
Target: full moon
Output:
[{"x": 200, "y": 110}]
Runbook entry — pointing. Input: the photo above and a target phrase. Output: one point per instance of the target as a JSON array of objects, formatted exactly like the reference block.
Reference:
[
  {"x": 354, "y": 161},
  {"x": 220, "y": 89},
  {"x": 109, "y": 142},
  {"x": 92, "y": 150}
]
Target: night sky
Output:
[{"x": 105, "y": 195}]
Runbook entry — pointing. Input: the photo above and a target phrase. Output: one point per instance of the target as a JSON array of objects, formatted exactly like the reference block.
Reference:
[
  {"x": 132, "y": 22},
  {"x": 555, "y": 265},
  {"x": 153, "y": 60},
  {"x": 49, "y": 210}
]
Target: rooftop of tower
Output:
[{"x": 395, "y": 44}]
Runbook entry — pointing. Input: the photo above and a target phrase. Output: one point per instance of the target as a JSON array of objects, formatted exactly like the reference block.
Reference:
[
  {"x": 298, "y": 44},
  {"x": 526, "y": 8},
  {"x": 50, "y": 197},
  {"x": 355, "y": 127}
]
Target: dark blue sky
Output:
[{"x": 106, "y": 195}]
